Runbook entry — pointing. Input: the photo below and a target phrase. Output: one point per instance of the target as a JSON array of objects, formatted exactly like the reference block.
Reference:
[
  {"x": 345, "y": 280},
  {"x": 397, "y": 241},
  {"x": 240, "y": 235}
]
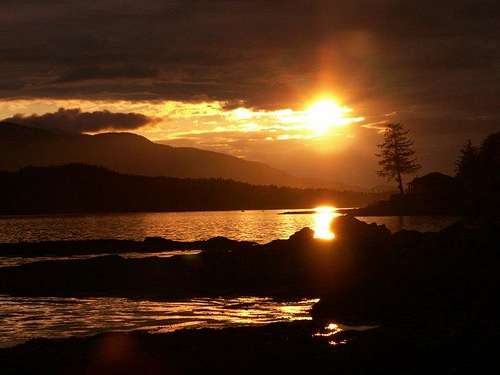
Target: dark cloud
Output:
[
  {"x": 267, "y": 53},
  {"x": 74, "y": 120},
  {"x": 436, "y": 64},
  {"x": 108, "y": 73}
]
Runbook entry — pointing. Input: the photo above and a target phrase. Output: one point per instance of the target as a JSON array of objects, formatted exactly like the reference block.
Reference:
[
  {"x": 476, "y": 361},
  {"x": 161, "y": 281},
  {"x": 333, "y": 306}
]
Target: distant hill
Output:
[
  {"x": 81, "y": 188},
  {"x": 130, "y": 153},
  {"x": 311, "y": 182}
]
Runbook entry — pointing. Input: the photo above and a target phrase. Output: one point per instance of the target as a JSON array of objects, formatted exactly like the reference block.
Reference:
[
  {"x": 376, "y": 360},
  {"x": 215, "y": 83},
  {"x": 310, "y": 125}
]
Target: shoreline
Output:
[
  {"x": 417, "y": 287},
  {"x": 64, "y": 248},
  {"x": 362, "y": 212}
]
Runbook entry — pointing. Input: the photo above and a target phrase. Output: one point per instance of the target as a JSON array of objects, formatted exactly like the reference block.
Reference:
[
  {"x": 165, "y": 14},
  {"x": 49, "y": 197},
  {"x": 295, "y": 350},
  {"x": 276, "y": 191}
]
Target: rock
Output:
[
  {"x": 158, "y": 242},
  {"x": 223, "y": 244},
  {"x": 348, "y": 228},
  {"x": 305, "y": 234},
  {"x": 405, "y": 238}
]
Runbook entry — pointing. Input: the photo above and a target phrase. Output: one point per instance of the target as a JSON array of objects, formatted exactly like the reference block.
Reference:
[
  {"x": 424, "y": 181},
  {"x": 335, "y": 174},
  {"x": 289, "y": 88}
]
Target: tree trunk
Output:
[
  {"x": 396, "y": 154},
  {"x": 400, "y": 183}
]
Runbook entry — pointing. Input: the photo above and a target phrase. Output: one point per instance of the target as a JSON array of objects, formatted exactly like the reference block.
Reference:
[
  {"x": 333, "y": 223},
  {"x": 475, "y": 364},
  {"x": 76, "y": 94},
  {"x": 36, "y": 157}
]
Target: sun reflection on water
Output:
[
  {"x": 330, "y": 330},
  {"x": 323, "y": 218},
  {"x": 23, "y": 318},
  {"x": 334, "y": 330}
]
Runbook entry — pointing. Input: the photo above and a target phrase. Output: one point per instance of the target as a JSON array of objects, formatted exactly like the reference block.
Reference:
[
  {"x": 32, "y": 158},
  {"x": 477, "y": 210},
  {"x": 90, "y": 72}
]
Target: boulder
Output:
[
  {"x": 305, "y": 234},
  {"x": 349, "y": 229},
  {"x": 223, "y": 244}
]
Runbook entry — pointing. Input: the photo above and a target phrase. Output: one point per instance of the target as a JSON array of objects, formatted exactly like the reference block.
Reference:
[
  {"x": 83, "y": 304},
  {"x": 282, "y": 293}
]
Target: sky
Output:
[{"x": 246, "y": 77}]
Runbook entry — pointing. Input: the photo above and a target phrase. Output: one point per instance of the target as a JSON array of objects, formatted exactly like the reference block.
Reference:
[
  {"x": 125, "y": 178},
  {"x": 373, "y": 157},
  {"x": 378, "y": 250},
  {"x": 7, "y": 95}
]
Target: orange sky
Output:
[
  {"x": 239, "y": 76},
  {"x": 324, "y": 129}
]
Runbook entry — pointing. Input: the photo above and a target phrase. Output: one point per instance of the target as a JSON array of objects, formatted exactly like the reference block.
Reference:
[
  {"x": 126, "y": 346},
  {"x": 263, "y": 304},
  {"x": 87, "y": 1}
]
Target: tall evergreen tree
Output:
[
  {"x": 397, "y": 156},
  {"x": 489, "y": 162},
  {"x": 467, "y": 162}
]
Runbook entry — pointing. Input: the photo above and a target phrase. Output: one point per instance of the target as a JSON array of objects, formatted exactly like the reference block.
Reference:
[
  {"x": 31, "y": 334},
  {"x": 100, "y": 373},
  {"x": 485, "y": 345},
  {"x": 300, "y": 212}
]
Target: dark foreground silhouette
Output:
[
  {"x": 432, "y": 294},
  {"x": 365, "y": 262},
  {"x": 65, "y": 248},
  {"x": 277, "y": 348}
]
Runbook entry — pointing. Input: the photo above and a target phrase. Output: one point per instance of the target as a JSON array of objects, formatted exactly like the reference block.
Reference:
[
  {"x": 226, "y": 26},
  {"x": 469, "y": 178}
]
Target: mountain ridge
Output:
[{"x": 130, "y": 153}]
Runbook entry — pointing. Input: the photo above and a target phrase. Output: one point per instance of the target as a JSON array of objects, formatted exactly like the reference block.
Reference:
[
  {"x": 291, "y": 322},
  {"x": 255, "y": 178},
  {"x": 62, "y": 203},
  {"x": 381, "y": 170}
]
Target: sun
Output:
[{"x": 325, "y": 114}]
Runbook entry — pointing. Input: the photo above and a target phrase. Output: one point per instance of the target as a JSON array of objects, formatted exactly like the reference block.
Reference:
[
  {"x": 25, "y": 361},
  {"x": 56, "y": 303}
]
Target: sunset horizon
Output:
[
  {"x": 183, "y": 80},
  {"x": 249, "y": 186}
]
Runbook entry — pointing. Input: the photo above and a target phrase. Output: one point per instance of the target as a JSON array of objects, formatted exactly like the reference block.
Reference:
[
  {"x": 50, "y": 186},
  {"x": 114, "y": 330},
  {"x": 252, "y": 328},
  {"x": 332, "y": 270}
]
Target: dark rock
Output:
[
  {"x": 223, "y": 244},
  {"x": 303, "y": 235},
  {"x": 288, "y": 348},
  {"x": 158, "y": 242},
  {"x": 420, "y": 277},
  {"x": 349, "y": 229},
  {"x": 407, "y": 238}
]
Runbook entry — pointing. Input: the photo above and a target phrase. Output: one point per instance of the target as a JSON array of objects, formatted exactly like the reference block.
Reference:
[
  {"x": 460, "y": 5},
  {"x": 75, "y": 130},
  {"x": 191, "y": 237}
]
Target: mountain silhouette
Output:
[{"x": 129, "y": 153}]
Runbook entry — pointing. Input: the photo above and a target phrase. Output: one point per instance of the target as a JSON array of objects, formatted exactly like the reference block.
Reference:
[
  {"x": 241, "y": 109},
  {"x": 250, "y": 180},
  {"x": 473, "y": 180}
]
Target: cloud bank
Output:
[
  {"x": 268, "y": 54},
  {"x": 433, "y": 65},
  {"x": 76, "y": 121}
]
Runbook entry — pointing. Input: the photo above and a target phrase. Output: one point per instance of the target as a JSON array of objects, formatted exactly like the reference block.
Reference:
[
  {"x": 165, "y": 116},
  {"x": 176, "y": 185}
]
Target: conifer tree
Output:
[
  {"x": 467, "y": 163},
  {"x": 397, "y": 156}
]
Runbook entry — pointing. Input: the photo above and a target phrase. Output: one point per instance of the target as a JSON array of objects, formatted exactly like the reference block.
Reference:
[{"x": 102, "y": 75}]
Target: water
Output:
[
  {"x": 23, "y": 318},
  {"x": 260, "y": 226},
  {"x": 333, "y": 329}
]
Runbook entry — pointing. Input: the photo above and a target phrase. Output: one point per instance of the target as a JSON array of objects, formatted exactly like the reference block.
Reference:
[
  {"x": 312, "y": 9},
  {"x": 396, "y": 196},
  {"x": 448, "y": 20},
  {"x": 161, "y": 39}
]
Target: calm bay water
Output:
[{"x": 260, "y": 226}]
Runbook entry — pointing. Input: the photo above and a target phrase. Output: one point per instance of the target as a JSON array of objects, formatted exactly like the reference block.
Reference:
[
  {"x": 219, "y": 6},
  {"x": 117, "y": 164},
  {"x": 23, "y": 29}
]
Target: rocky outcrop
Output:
[
  {"x": 432, "y": 294},
  {"x": 299, "y": 266},
  {"x": 365, "y": 275},
  {"x": 425, "y": 278},
  {"x": 349, "y": 229}
]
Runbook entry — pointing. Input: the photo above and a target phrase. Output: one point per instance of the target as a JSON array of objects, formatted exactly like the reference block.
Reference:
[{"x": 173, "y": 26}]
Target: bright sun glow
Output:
[
  {"x": 326, "y": 114},
  {"x": 323, "y": 218}
]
